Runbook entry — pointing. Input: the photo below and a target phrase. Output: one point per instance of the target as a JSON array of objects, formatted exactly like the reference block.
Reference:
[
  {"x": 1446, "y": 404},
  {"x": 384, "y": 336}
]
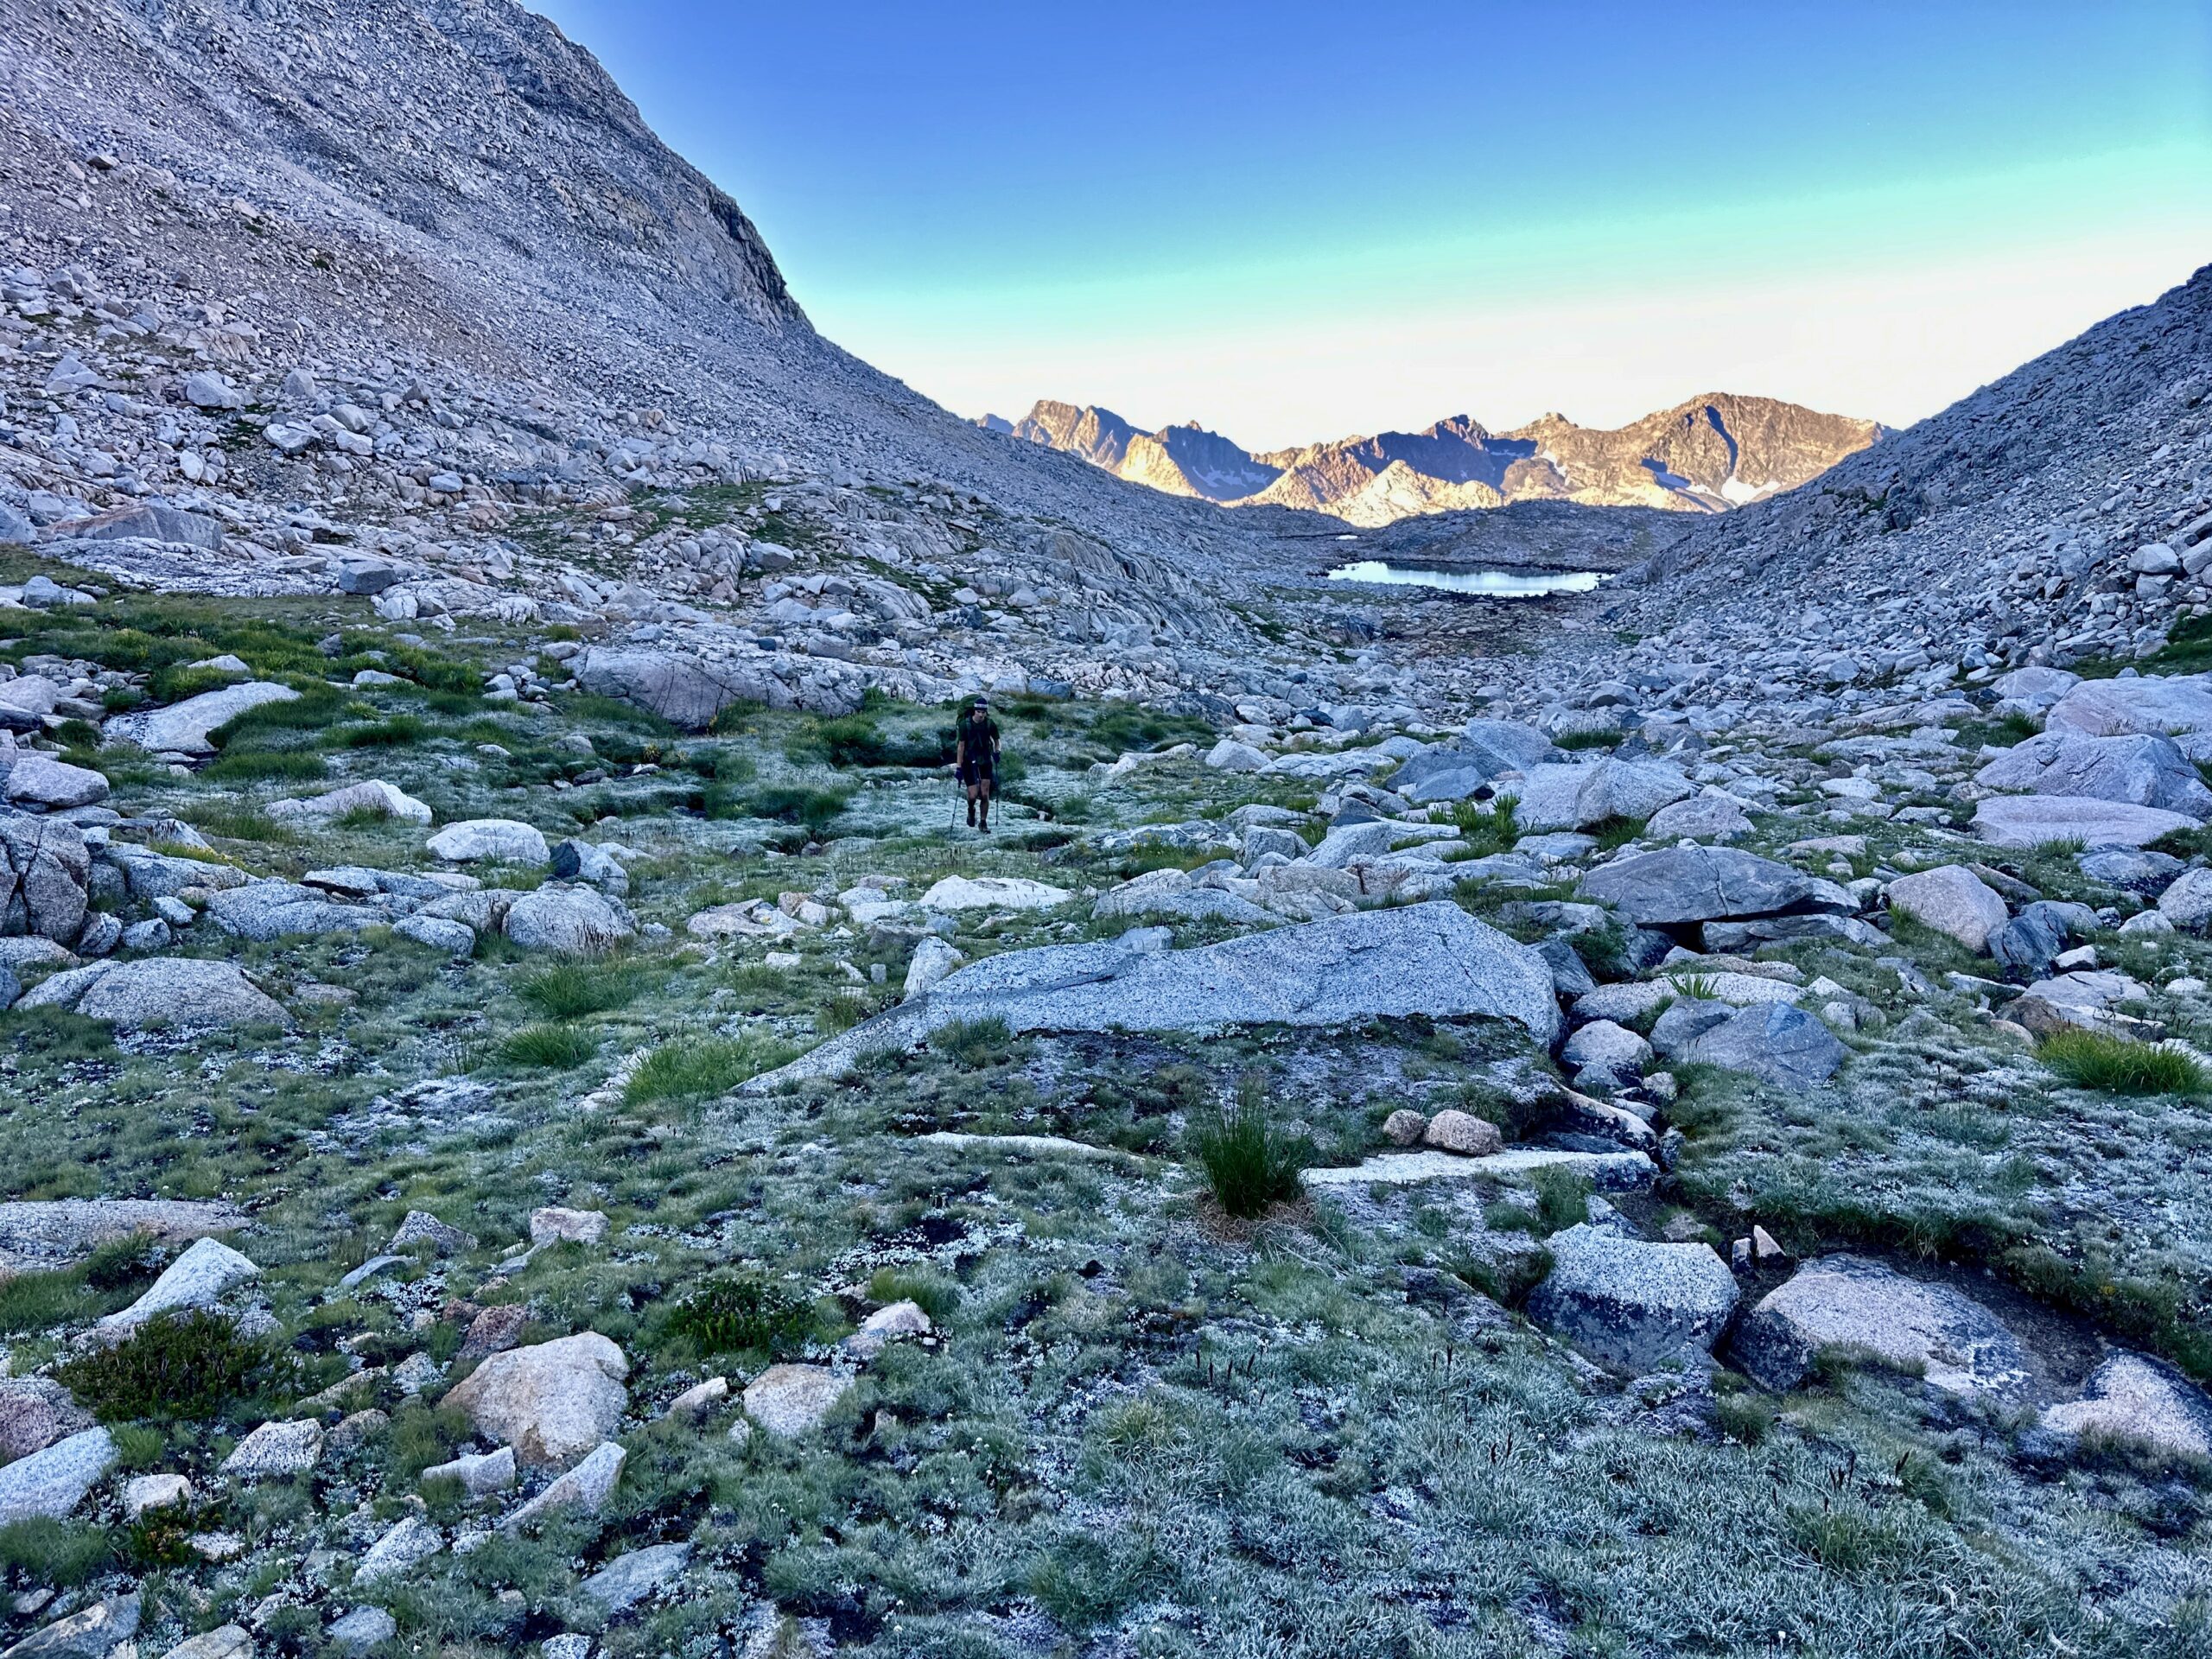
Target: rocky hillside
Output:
[
  {"x": 2052, "y": 516},
  {"x": 1709, "y": 455},
  {"x": 429, "y": 182}
]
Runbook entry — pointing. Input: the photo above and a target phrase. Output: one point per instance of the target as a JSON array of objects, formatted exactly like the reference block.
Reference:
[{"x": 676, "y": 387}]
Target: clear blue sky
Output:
[{"x": 1296, "y": 220}]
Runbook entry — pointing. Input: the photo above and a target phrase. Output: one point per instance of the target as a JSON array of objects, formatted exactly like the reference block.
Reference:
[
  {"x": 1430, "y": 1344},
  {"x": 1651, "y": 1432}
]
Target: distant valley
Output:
[{"x": 1707, "y": 454}]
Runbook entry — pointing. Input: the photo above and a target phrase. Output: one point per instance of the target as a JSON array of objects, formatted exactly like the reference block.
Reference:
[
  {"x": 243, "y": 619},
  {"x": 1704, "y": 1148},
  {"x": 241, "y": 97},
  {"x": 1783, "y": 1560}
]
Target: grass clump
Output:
[
  {"x": 1250, "y": 1165},
  {"x": 569, "y": 990},
  {"x": 935, "y": 1293},
  {"x": 2091, "y": 1059},
  {"x": 175, "y": 1365},
  {"x": 816, "y": 809},
  {"x": 236, "y": 820},
  {"x": 1562, "y": 1199},
  {"x": 1487, "y": 830},
  {"x": 552, "y": 1047},
  {"x": 973, "y": 1042},
  {"x": 749, "y": 1315},
  {"x": 266, "y": 766},
  {"x": 59, "y": 1554},
  {"x": 701, "y": 1067}
]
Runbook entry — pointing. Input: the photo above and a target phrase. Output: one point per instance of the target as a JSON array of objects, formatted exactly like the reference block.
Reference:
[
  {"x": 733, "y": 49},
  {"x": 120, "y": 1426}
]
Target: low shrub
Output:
[
  {"x": 1509, "y": 1280},
  {"x": 237, "y": 820},
  {"x": 816, "y": 809},
  {"x": 2091, "y": 1059},
  {"x": 1250, "y": 1164},
  {"x": 842, "y": 1012},
  {"x": 265, "y": 765},
  {"x": 173, "y": 1365},
  {"x": 384, "y": 734},
  {"x": 747, "y": 1315}
]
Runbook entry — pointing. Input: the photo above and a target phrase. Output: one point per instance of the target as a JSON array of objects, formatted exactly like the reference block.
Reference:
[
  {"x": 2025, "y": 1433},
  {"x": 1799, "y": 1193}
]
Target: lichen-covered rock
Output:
[
  {"x": 551, "y": 1400},
  {"x": 200, "y": 1277},
  {"x": 35, "y": 1413},
  {"x": 1951, "y": 900},
  {"x": 1848, "y": 1304},
  {"x": 1631, "y": 1303},
  {"x": 52, "y": 1480},
  {"x": 567, "y": 921},
  {"x": 792, "y": 1400},
  {"x": 45, "y": 869}
]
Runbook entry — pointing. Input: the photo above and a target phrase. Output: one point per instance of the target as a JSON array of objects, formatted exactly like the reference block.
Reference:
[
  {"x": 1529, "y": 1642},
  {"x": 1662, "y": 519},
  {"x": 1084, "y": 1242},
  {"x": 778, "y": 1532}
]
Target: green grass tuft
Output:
[
  {"x": 569, "y": 990},
  {"x": 1562, "y": 1199},
  {"x": 1486, "y": 829},
  {"x": 2091, "y": 1059},
  {"x": 973, "y": 1042},
  {"x": 556, "y": 1047},
  {"x": 701, "y": 1067},
  {"x": 1250, "y": 1165}
]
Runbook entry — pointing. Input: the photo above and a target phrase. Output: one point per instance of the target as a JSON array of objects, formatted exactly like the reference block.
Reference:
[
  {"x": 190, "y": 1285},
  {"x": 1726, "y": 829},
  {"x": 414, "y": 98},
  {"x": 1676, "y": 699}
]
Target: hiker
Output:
[{"x": 975, "y": 761}]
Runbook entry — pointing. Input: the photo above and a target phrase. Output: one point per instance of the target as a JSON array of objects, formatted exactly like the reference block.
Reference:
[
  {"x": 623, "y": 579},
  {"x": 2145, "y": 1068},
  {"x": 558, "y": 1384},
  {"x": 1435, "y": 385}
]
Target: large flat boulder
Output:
[
  {"x": 183, "y": 727},
  {"x": 1576, "y": 797},
  {"x": 2179, "y": 707},
  {"x": 689, "y": 691},
  {"x": 1631, "y": 1303},
  {"x": 1430, "y": 959},
  {"x": 2137, "y": 768},
  {"x": 993, "y": 892},
  {"x": 1678, "y": 886},
  {"x": 45, "y": 784},
  {"x": 152, "y": 521},
  {"x": 182, "y": 991},
  {"x": 1775, "y": 1042},
  {"x": 2038, "y": 820},
  {"x": 1849, "y": 1304},
  {"x": 504, "y": 841},
  {"x": 276, "y": 910}
]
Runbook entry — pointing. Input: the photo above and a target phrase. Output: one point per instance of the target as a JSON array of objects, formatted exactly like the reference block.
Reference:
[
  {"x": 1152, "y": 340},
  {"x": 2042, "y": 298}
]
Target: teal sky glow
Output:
[{"x": 1294, "y": 222}]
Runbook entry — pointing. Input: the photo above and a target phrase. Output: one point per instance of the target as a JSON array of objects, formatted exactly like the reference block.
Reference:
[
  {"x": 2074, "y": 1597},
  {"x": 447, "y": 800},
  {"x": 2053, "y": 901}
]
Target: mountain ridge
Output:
[{"x": 1707, "y": 453}]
